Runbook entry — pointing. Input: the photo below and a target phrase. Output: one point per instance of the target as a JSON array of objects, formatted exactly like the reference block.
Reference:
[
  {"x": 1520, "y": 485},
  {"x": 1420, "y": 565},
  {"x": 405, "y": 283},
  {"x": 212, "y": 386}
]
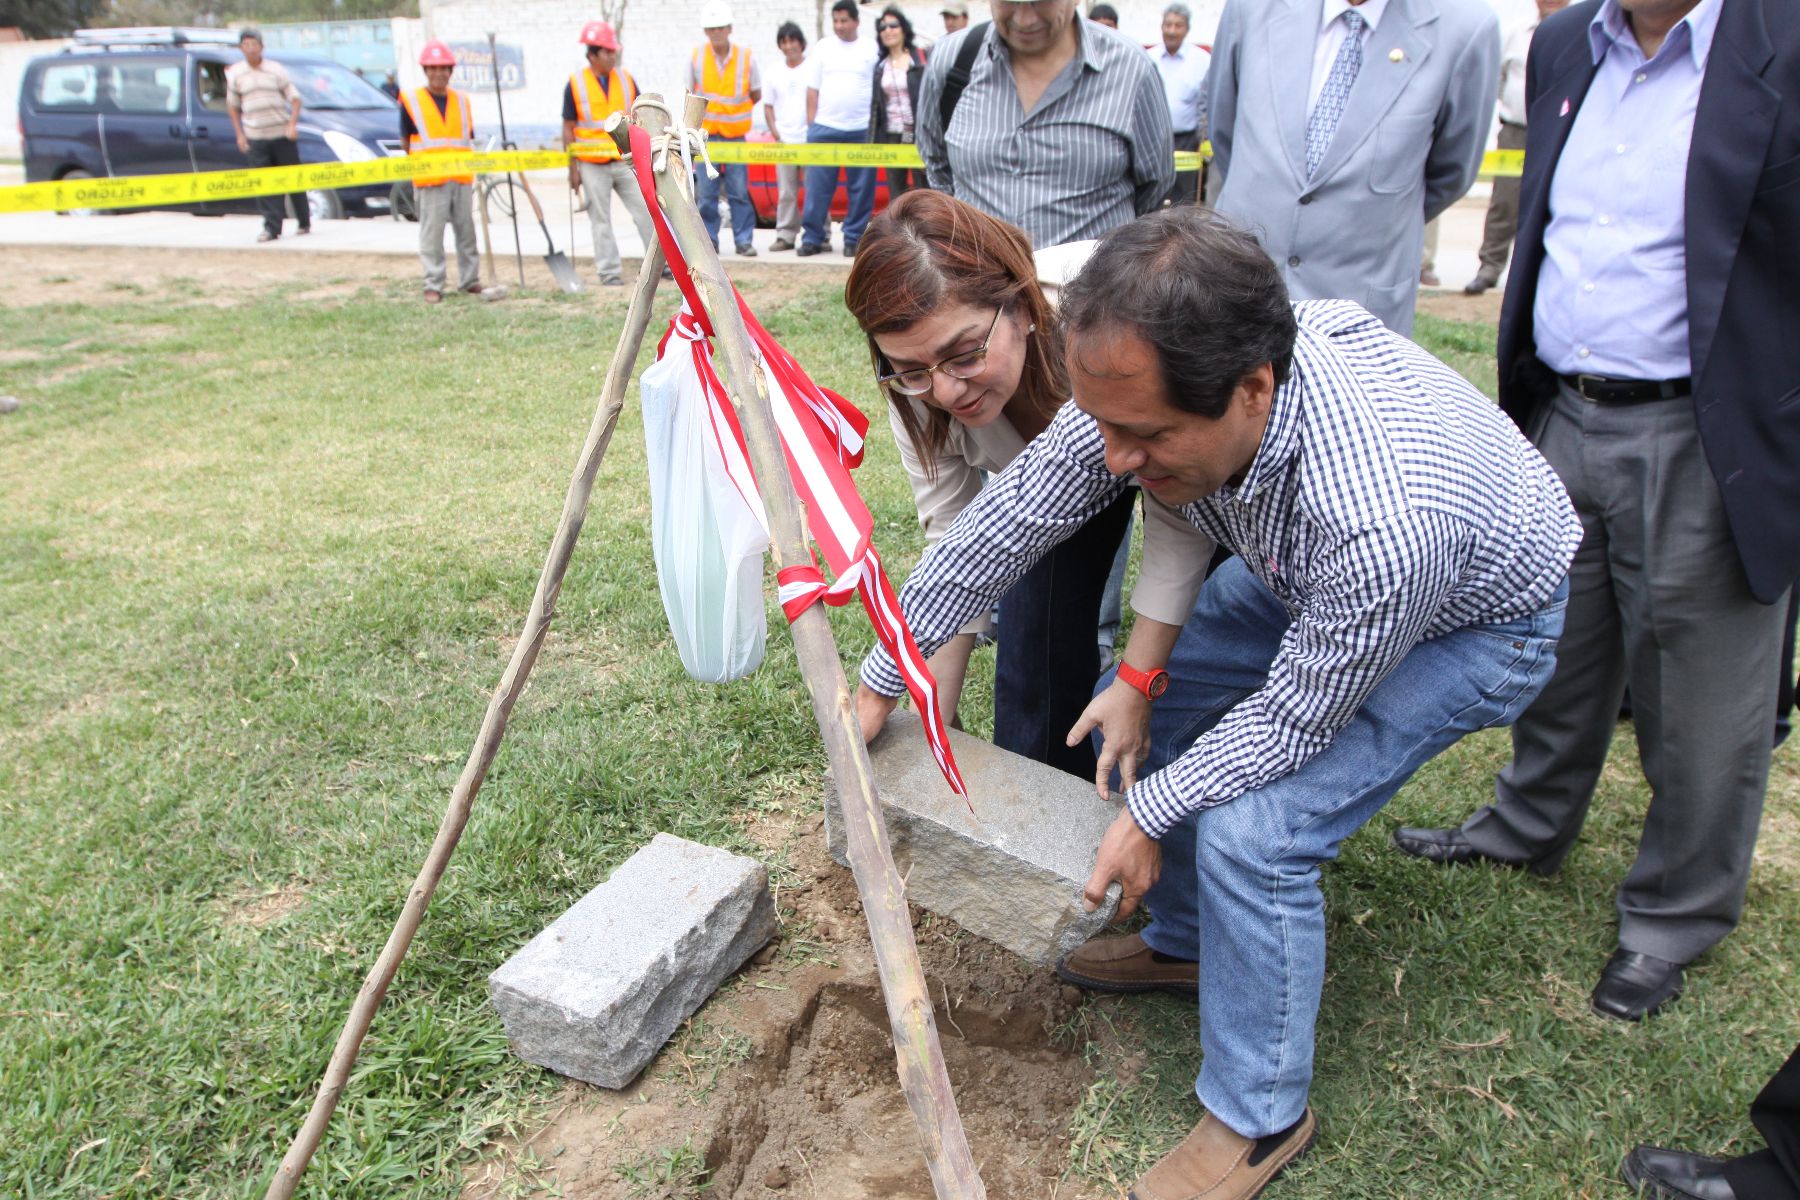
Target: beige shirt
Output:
[
  {"x": 263, "y": 97},
  {"x": 1175, "y": 553}
]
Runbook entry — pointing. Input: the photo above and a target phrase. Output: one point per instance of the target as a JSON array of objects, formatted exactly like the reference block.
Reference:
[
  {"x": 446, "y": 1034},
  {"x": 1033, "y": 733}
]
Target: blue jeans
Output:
[
  {"x": 821, "y": 186},
  {"x": 735, "y": 177},
  {"x": 1247, "y": 872}
]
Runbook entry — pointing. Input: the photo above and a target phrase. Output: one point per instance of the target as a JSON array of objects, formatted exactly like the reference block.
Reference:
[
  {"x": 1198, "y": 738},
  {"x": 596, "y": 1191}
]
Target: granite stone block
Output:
[
  {"x": 1011, "y": 872},
  {"x": 595, "y": 995}
]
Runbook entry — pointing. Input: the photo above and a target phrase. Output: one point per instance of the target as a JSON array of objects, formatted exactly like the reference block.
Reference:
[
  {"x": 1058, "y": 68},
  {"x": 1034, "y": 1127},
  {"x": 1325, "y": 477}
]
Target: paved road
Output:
[{"x": 1459, "y": 238}]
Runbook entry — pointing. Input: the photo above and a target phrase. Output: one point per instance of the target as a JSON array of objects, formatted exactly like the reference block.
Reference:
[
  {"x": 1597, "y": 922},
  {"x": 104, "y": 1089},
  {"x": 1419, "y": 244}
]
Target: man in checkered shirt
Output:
[{"x": 1400, "y": 579}]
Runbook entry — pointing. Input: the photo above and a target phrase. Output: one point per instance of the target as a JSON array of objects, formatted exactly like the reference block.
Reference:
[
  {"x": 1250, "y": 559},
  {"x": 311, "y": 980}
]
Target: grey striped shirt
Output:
[
  {"x": 1389, "y": 502},
  {"x": 1091, "y": 156}
]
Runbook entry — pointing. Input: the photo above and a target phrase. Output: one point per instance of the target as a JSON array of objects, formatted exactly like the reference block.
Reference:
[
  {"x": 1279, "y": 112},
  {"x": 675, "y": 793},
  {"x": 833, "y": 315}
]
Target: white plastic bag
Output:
[{"x": 709, "y": 540}]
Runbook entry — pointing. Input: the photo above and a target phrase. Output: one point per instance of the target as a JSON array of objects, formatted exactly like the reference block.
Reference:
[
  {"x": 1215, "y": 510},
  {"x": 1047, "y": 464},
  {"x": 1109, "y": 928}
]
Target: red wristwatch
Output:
[{"x": 1151, "y": 683}]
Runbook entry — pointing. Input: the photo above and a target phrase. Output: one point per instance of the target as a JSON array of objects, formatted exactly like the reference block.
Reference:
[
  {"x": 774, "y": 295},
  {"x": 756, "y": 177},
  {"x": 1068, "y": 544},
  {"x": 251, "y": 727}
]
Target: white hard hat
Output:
[{"x": 715, "y": 14}]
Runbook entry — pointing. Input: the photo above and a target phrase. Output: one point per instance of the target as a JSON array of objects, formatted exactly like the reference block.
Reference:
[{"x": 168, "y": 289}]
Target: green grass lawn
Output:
[{"x": 252, "y": 603}]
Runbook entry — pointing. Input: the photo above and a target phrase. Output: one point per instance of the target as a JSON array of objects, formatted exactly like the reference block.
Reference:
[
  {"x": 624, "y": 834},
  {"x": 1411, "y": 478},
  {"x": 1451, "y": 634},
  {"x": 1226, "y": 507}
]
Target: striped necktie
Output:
[{"x": 1324, "y": 120}]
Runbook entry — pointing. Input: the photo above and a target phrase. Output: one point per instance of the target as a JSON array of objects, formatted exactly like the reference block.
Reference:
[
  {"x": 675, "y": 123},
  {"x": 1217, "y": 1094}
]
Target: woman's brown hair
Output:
[{"x": 929, "y": 250}]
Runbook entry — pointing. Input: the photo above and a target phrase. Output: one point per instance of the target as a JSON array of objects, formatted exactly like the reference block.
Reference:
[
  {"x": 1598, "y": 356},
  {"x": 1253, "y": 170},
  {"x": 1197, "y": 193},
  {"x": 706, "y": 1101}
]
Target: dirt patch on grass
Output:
[
  {"x": 784, "y": 1085},
  {"x": 1454, "y": 306},
  {"x": 91, "y": 275},
  {"x": 257, "y": 908}
]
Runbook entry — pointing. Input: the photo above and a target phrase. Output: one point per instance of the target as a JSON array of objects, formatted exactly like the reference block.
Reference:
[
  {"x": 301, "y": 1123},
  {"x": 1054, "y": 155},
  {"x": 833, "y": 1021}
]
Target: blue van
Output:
[{"x": 152, "y": 102}]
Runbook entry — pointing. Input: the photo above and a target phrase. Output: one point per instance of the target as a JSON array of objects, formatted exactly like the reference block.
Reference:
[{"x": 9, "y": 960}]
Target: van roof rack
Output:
[{"x": 155, "y": 35}]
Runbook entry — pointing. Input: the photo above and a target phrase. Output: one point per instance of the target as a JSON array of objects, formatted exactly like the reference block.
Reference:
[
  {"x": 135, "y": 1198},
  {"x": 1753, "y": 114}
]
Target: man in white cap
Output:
[
  {"x": 725, "y": 74},
  {"x": 955, "y": 14}
]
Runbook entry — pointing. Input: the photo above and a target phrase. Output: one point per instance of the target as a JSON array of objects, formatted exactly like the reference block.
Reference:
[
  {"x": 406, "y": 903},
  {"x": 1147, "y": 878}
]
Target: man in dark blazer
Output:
[{"x": 1650, "y": 345}]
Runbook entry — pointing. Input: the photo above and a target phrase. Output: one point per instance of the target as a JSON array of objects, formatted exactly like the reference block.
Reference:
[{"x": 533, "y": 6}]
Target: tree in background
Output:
[{"x": 49, "y": 18}]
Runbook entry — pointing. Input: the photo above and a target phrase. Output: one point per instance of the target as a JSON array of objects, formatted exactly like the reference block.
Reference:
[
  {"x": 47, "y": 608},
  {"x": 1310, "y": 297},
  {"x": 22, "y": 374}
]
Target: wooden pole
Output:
[
  {"x": 923, "y": 1078},
  {"x": 487, "y": 741}
]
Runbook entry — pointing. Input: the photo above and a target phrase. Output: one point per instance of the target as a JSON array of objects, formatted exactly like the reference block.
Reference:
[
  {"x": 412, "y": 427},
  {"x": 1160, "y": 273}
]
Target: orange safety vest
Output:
[
  {"x": 439, "y": 133},
  {"x": 727, "y": 92},
  {"x": 592, "y": 106}
]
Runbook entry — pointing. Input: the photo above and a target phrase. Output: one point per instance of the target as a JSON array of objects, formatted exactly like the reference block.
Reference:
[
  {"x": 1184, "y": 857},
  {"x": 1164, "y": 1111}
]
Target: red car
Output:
[{"x": 764, "y": 191}]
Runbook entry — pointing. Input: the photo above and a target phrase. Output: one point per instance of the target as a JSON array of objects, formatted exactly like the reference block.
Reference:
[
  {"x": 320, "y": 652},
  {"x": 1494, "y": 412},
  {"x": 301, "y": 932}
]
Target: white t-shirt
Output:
[
  {"x": 843, "y": 72},
  {"x": 785, "y": 90}
]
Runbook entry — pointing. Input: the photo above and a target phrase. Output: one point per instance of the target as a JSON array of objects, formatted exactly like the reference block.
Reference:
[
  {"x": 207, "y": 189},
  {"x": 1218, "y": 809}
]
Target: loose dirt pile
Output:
[{"x": 785, "y": 1084}]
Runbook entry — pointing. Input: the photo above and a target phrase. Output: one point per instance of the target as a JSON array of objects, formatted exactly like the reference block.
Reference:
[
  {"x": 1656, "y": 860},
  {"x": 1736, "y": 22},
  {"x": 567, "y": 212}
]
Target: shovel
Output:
[{"x": 560, "y": 267}]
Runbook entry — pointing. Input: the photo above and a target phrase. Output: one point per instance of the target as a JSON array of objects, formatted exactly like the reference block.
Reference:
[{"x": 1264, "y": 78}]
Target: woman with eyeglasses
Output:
[
  {"x": 895, "y": 99},
  {"x": 966, "y": 347}
]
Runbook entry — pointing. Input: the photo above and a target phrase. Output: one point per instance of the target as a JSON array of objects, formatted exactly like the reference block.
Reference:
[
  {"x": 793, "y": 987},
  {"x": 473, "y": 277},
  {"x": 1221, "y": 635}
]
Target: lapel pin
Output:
[
  {"x": 1565, "y": 108},
  {"x": 1396, "y": 55}
]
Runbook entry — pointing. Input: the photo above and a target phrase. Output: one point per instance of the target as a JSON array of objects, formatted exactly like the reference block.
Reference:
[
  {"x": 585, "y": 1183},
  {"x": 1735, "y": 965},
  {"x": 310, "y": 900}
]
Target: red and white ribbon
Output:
[{"x": 822, "y": 435}]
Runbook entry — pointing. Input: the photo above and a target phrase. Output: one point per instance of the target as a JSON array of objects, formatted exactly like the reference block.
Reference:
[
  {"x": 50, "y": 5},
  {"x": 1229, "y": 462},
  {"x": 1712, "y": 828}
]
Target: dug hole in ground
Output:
[{"x": 784, "y": 1083}]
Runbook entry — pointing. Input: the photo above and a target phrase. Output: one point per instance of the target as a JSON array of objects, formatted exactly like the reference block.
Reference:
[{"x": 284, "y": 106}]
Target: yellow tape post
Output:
[{"x": 146, "y": 191}]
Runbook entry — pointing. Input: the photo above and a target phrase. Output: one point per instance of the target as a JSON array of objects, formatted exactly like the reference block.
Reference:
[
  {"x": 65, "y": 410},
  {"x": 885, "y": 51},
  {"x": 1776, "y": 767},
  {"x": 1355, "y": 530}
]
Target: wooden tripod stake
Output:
[
  {"x": 923, "y": 1078},
  {"x": 493, "y": 728}
]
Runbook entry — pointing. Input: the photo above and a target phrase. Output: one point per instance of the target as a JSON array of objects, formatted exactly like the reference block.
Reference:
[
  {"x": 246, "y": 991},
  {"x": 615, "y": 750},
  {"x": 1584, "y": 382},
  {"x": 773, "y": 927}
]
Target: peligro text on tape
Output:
[
  {"x": 139, "y": 191},
  {"x": 142, "y": 191}
]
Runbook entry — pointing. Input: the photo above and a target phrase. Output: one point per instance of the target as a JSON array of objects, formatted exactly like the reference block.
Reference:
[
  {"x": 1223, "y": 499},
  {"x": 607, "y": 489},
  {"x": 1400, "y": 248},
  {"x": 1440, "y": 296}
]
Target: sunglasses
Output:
[{"x": 887, "y": 25}]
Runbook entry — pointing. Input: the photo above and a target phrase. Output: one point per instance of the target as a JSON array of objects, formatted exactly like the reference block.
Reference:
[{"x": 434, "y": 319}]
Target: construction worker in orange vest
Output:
[
  {"x": 597, "y": 171},
  {"x": 730, "y": 80},
  {"x": 438, "y": 119}
]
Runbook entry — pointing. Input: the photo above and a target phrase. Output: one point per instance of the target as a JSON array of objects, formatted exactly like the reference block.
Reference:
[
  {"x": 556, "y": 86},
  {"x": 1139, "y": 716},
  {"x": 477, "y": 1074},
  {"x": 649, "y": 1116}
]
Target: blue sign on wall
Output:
[{"x": 475, "y": 66}]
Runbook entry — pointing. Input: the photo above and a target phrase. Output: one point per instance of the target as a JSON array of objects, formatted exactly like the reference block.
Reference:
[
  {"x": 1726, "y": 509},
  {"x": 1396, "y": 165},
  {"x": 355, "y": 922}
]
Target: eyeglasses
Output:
[
  {"x": 884, "y": 26},
  {"x": 962, "y": 366}
]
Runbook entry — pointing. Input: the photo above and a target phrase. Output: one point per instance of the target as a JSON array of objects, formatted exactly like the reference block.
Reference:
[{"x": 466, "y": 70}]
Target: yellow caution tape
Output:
[
  {"x": 1499, "y": 164},
  {"x": 156, "y": 191},
  {"x": 161, "y": 191},
  {"x": 822, "y": 154}
]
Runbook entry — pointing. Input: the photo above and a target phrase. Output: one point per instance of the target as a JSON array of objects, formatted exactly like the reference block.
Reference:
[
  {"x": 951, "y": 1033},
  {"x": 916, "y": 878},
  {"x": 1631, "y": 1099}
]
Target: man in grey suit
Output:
[{"x": 1341, "y": 126}]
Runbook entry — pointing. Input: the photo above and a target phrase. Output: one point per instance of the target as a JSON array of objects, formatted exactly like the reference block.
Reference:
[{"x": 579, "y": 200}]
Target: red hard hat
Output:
[
  {"x": 599, "y": 33},
  {"x": 436, "y": 54}
]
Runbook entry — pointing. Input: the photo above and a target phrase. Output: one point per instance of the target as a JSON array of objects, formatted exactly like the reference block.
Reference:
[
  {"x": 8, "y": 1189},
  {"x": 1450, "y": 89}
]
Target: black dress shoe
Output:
[
  {"x": 1446, "y": 846},
  {"x": 1633, "y": 986},
  {"x": 808, "y": 249},
  {"x": 1660, "y": 1174}
]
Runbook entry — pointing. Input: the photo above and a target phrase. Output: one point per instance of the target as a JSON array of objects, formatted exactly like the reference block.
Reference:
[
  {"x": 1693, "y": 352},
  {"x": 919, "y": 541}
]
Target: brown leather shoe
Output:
[
  {"x": 1215, "y": 1163},
  {"x": 432, "y": 297},
  {"x": 1126, "y": 964}
]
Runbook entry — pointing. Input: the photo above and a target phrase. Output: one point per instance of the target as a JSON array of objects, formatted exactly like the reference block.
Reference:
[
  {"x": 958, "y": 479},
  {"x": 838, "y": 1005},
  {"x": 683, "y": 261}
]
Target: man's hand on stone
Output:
[
  {"x": 1122, "y": 715},
  {"x": 872, "y": 709},
  {"x": 1129, "y": 855}
]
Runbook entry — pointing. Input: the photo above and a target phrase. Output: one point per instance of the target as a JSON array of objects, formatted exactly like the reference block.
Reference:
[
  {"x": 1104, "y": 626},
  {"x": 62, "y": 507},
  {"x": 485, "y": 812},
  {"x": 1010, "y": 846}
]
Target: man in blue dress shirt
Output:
[{"x": 1648, "y": 344}]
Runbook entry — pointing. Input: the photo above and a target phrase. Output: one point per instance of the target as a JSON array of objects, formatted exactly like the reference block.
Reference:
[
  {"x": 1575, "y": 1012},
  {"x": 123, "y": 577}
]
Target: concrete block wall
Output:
[{"x": 13, "y": 59}]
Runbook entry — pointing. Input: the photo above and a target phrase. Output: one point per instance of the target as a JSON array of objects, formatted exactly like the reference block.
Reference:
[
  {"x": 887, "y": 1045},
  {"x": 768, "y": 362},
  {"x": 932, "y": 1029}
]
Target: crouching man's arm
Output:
[{"x": 1051, "y": 490}]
